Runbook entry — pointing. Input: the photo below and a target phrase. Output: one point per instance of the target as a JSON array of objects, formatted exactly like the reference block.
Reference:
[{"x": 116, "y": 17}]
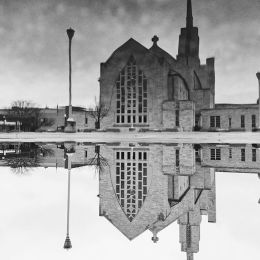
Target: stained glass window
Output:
[
  {"x": 131, "y": 95},
  {"x": 131, "y": 181}
]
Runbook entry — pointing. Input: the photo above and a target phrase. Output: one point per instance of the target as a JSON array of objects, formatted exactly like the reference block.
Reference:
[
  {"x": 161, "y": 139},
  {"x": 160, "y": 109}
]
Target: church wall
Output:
[
  {"x": 169, "y": 114},
  {"x": 187, "y": 115},
  {"x": 185, "y": 156},
  {"x": 156, "y": 75}
]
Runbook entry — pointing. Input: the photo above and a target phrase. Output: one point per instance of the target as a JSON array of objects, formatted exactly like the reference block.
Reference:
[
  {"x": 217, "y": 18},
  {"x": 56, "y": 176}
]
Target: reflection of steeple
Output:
[{"x": 189, "y": 256}]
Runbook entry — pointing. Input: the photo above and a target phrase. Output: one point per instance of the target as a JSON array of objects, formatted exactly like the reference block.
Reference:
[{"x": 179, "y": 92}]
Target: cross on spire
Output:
[
  {"x": 155, "y": 39},
  {"x": 189, "y": 18}
]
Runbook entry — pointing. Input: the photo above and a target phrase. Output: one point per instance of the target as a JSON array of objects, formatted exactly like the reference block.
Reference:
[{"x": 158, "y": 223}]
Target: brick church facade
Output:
[{"x": 147, "y": 88}]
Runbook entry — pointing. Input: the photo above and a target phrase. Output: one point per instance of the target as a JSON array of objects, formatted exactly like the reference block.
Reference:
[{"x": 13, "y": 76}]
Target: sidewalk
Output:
[{"x": 164, "y": 137}]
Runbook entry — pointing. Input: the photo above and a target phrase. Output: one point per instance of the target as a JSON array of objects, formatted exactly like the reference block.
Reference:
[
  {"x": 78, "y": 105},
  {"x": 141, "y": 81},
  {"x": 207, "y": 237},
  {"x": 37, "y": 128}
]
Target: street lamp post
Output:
[
  {"x": 258, "y": 77},
  {"x": 71, "y": 124}
]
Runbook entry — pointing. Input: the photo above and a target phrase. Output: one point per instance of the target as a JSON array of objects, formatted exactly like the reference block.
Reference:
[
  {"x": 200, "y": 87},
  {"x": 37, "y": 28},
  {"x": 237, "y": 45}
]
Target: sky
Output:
[
  {"x": 34, "y": 44},
  {"x": 33, "y": 220}
]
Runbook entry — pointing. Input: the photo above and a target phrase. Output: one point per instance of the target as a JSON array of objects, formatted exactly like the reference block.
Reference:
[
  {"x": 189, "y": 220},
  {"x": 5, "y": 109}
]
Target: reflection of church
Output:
[
  {"x": 148, "y": 187},
  {"x": 147, "y": 88}
]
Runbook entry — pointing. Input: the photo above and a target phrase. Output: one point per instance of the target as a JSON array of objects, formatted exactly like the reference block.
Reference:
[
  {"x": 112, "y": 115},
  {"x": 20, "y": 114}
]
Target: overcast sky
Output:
[{"x": 34, "y": 44}]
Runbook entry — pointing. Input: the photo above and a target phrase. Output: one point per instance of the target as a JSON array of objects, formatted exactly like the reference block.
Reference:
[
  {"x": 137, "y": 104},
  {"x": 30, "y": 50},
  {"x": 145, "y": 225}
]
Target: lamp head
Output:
[
  {"x": 67, "y": 244},
  {"x": 70, "y": 33}
]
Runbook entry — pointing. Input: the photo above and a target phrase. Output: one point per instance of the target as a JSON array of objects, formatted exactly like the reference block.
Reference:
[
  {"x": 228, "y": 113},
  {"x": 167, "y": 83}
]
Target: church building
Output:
[{"x": 148, "y": 89}]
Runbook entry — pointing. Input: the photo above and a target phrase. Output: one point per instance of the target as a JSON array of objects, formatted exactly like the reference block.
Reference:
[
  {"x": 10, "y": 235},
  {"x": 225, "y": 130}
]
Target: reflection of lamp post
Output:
[
  {"x": 4, "y": 122},
  {"x": 258, "y": 77},
  {"x": 71, "y": 126},
  {"x": 69, "y": 151},
  {"x": 67, "y": 244}
]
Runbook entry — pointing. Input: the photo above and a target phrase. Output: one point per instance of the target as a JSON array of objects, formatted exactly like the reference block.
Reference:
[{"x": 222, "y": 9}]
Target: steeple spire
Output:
[
  {"x": 189, "y": 18},
  {"x": 189, "y": 40}
]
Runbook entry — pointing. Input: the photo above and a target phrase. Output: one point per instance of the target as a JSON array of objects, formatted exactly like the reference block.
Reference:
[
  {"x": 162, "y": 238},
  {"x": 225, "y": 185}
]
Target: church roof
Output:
[
  {"x": 132, "y": 45},
  {"x": 159, "y": 52}
]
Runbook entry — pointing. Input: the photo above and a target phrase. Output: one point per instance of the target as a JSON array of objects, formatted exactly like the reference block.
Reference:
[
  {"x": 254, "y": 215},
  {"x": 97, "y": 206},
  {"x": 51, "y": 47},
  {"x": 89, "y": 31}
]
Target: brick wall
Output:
[
  {"x": 231, "y": 112},
  {"x": 232, "y": 164}
]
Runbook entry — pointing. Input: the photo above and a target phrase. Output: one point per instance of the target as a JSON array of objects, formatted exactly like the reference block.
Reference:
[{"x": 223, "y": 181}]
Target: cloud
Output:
[{"x": 34, "y": 44}]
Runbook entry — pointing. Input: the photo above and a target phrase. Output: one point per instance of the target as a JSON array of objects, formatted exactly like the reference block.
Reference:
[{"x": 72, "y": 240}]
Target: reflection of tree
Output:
[
  {"x": 45, "y": 151},
  {"x": 98, "y": 161},
  {"x": 22, "y": 165},
  {"x": 27, "y": 156}
]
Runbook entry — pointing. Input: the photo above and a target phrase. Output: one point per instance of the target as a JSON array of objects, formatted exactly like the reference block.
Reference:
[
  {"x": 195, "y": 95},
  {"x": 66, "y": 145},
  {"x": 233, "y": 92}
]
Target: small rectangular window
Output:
[
  {"x": 253, "y": 121},
  {"x": 242, "y": 121},
  {"x": 86, "y": 154},
  {"x": 218, "y": 121},
  {"x": 215, "y": 121},
  {"x": 86, "y": 120},
  {"x": 230, "y": 153},
  {"x": 215, "y": 154},
  {"x": 177, "y": 157},
  {"x": 177, "y": 116},
  {"x": 243, "y": 155},
  {"x": 254, "y": 155},
  {"x": 212, "y": 121},
  {"x": 230, "y": 122}
]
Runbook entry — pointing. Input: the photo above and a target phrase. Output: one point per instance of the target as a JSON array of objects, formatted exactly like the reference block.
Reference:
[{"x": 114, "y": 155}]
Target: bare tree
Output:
[
  {"x": 26, "y": 113},
  {"x": 98, "y": 113}
]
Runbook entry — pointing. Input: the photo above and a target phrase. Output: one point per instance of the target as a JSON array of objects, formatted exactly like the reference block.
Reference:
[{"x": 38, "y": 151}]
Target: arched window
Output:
[
  {"x": 131, "y": 180},
  {"x": 131, "y": 95}
]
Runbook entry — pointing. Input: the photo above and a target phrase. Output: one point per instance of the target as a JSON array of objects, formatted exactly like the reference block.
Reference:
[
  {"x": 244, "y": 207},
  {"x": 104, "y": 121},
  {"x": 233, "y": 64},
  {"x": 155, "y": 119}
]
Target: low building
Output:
[
  {"x": 230, "y": 117},
  {"x": 54, "y": 119},
  {"x": 45, "y": 119}
]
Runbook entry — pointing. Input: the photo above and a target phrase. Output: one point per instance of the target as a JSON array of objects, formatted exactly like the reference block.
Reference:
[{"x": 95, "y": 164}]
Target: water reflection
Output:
[{"x": 145, "y": 186}]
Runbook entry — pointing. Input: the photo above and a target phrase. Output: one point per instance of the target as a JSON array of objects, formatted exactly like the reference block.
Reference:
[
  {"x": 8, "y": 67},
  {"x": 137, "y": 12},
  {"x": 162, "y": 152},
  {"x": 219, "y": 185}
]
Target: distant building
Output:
[
  {"x": 45, "y": 120},
  {"x": 54, "y": 119},
  {"x": 147, "y": 88}
]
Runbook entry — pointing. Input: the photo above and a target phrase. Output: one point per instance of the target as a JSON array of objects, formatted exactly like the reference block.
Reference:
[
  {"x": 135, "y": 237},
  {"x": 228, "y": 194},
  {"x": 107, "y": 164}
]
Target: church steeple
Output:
[
  {"x": 189, "y": 17},
  {"x": 189, "y": 40}
]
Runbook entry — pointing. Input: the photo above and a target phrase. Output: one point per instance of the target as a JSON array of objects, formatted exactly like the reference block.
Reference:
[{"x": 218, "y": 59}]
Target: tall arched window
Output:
[
  {"x": 131, "y": 95},
  {"x": 131, "y": 180}
]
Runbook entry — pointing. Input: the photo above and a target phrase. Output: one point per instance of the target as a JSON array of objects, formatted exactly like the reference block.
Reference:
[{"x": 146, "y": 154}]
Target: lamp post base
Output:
[{"x": 71, "y": 126}]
